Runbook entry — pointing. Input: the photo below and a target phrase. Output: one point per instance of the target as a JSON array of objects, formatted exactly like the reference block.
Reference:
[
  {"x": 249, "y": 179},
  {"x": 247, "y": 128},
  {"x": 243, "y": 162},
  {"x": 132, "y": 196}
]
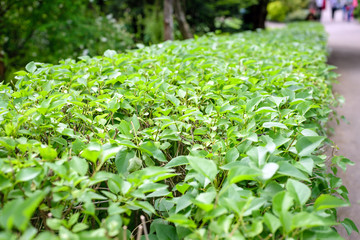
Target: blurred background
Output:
[{"x": 51, "y": 30}]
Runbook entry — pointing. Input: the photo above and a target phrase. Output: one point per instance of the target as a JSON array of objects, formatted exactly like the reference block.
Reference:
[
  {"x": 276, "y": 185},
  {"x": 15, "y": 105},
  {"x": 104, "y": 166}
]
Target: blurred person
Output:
[
  {"x": 315, "y": 8},
  {"x": 335, "y": 5},
  {"x": 343, "y": 6},
  {"x": 349, "y": 7},
  {"x": 321, "y": 5}
]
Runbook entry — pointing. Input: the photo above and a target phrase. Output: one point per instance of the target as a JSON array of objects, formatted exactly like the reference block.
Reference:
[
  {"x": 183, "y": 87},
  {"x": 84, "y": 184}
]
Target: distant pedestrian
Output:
[
  {"x": 321, "y": 5},
  {"x": 335, "y": 5},
  {"x": 349, "y": 7},
  {"x": 343, "y": 6}
]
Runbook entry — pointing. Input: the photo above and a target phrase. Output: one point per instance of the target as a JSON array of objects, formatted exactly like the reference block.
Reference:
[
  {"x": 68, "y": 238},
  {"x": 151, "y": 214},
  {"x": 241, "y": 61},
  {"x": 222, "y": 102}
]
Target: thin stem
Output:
[
  {"x": 124, "y": 232},
  {"x": 139, "y": 232},
  {"x": 144, "y": 226}
]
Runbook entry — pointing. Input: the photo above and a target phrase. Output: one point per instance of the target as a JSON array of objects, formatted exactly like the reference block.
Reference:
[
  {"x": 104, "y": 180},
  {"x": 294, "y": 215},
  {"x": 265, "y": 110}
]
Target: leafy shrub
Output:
[
  {"x": 294, "y": 5},
  {"x": 277, "y": 11},
  {"x": 357, "y": 13},
  {"x": 288, "y": 10},
  {"x": 213, "y": 138},
  {"x": 298, "y": 15}
]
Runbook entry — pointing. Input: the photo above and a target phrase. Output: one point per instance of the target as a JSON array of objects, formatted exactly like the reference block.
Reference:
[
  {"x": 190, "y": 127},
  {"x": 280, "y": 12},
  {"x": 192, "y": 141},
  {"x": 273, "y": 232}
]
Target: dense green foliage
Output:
[
  {"x": 277, "y": 11},
  {"x": 51, "y": 30},
  {"x": 357, "y": 13},
  {"x": 288, "y": 10},
  {"x": 46, "y": 31},
  {"x": 203, "y": 16},
  {"x": 212, "y": 138}
]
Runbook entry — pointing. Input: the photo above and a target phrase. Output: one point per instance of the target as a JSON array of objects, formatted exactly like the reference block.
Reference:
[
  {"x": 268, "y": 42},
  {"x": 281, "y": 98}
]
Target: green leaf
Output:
[
  {"x": 309, "y": 132},
  {"x": 48, "y": 153},
  {"x": 205, "y": 200},
  {"x": 125, "y": 128},
  {"x": 127, "y": 143},
  {"x": 265, "y": 110},
  {"x": 306, "y": 145},
  {"x": 258, "y": 154},
  {"x": 65, "y": 233},
  {"x": 232, "y": 155},
  {"x": 182, "y": 187},
  {"x": 80, "y": 165},
  {"x": 226, "y": 108},
  {"x": 299, "y": 191},
  {"x": 254, "y": 229},
  {"x": 164, "y": 231},
  {"x": 4, "y": 183},
  {"x": 135, "y": 124},
  {"x": 150, "y": 148},
  {"x": 178, "y": 161},
  {"x": 79, "y": 227},
  {"x": 30, "y": 67},
  {"x": 252, "y": 103},
  {"x": 287, "y": 169},
  {"x": 181, "y": 93},
  {"x": 306, "y": 165},
  {"x": 272, "y": 222},
  {"x": 27, "y": 174},
  {"x": 135, "y": 163},
  {"x": 110, "y": 151},
  {"x": 181, "y": 220},
  {"x": 269, "y": 170},
  {"x": 277, "y": 100},
  {"x": 349, "y": 226},
  {"x": 342, "y": 162},
  {"x": 307, "y": 220},
  {"x": 78, "y": 146},
  {"x": 26, "y": 209},
  {"x": 109, "y": 53},
  {"x": 143, "y": 205},
  {"x": 282, "y": 201},
  {"x": 325, "y": 201},
  {"x": 241, "y": 173},
  {"x": 122, "y": 159},
  {"x": 173, "y": 100},
  {"x": 73, "y": 219},
  {"x": 114, "y": 186},
  {"x": 203, "y": 166},
  {"x": 54, "y": 223},
  {"x": 274, "y": 124},
  {"x": 183, "y": 202},
  {"x": 92, "y": 152},
  {"x": 113, "y": 225}
]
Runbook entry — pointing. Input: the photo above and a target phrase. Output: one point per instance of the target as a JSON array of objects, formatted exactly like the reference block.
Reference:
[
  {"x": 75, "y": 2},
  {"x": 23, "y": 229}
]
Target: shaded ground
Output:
[{"x": 344, "y": 44}]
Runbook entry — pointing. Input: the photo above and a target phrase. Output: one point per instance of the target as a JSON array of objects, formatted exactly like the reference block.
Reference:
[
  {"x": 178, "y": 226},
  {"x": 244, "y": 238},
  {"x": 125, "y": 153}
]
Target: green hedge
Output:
[{"x": 212, "y": 138}]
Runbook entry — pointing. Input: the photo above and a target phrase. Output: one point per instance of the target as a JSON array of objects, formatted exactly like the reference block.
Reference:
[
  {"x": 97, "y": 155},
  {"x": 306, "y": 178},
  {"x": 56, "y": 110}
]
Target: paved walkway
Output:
[{"x": 344, "y": 43}]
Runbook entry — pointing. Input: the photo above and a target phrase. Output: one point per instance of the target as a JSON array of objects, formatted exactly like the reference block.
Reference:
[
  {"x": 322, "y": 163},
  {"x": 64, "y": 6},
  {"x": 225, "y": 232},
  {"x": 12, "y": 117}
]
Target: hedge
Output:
[{"x": 220, "y": 137}]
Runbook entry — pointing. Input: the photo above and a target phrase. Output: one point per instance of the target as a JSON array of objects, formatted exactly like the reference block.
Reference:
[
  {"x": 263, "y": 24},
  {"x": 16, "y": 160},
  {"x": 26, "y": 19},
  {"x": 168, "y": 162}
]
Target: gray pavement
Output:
[{"x": 344, "y": 45}]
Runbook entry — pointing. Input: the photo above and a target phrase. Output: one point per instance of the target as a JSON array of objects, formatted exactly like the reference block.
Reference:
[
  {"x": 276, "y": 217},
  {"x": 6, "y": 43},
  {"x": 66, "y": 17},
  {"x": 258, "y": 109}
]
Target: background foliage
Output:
[
  {"x": 288, "y": 10},
  {"x": 51, "y": 30},
  {"x": 219, "y": 137},
  {"x": 46, "y": 31}
]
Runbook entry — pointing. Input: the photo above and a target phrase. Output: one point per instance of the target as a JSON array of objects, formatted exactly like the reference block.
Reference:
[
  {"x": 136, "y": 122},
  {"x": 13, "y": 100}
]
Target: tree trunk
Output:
[
  {"x": 168, "y": 19},
  {"x": 2, "y": 68},
  {"x": 255, "y": 16},
  {"x": 181, "y": 19}
]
